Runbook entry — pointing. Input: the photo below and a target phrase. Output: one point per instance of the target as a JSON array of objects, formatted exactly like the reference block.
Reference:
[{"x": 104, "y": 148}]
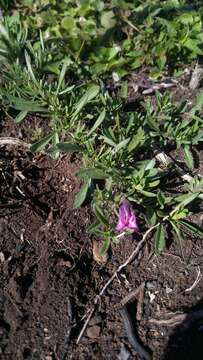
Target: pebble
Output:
[{"x": 93, "y": 332}]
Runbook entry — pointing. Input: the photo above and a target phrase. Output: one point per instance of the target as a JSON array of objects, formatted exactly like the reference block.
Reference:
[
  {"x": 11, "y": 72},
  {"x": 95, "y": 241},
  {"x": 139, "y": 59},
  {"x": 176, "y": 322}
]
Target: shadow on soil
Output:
[{"x": 186, "y": 340}]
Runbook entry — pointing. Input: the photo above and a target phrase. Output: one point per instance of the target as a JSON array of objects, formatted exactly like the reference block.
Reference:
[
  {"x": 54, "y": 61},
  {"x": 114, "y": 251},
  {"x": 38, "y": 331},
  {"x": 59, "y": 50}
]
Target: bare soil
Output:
[{"x": 49, "y": 278}]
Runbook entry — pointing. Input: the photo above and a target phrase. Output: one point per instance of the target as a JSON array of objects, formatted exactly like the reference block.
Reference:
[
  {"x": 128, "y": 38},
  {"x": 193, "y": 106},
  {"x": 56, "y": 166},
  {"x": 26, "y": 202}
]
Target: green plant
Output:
[{"x": 58, "y": 61}]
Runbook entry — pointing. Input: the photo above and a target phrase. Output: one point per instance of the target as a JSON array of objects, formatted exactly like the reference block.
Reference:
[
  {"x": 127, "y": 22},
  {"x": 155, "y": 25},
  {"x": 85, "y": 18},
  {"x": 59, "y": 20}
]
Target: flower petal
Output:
[
  {"x": 132, "y": 223},
  {"x": 127, "y": 218}
]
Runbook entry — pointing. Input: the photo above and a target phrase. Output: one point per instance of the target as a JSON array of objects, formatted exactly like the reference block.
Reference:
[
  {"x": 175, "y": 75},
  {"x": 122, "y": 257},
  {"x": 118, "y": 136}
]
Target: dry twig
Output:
[
  {"x": 173, "y": 321},
  {"x": 197, "y": 280},
  {"x": 186, "y": 319}
]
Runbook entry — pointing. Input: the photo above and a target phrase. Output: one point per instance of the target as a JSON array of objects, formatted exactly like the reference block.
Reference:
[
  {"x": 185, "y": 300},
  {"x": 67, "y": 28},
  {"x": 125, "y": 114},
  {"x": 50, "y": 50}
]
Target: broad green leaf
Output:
[
  {"x": 108, "y": 19},
  {"x": 151, "y": 216},
  {"x": 192, "y": 227},
  {"x": 161, "y": 199},
  {"x": 160, "y": 242},
  {"x": 193, "y": 44},
  {"x": 93, "y": 173},
  {"x": 68, "y": 23},
  {"x": 150, "y": 166},
  {"x": 105, "y": 247},
  {"x": 39, "y": 145},
  {"x": 20, "y": 117},
  {"x": 90, "y": 94},
  {"x": 68, "y": 147},
  {"x": 81, "y": 196},
  {"x": 98, "y": 122},
  {"x": 188, "y": 157},
  {"x": 100, "y": 216}
]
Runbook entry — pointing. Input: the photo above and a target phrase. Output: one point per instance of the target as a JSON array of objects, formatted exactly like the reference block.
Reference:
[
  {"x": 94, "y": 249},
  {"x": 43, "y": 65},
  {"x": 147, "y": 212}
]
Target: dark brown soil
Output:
[{"x": 49, "y": 278}]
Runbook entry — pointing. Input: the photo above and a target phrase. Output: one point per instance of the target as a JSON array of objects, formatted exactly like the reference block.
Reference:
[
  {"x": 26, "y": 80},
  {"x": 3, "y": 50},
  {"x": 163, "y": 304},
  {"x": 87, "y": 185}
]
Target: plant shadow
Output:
[{"x": 186, "y": 340}]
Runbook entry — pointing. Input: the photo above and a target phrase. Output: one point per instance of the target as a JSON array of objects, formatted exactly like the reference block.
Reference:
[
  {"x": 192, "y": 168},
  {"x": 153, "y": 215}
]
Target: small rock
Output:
[
  {"x": 93, "y": 332},
  {"x": 168, "y": 290}
]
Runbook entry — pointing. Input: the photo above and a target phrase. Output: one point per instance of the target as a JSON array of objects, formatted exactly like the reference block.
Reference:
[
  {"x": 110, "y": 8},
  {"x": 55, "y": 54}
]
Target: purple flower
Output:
[{"x": 127, "y": 218}]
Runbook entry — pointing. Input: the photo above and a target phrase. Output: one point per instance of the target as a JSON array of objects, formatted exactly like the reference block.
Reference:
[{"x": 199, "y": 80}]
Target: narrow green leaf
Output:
[
  {"x": 94, "y": 227},
  {"x": 192, "y": 227},
  {"x": 98, "y": 122},
  {"x": 147, "y": 193},
  {"x": 68, "y": 147},
  {"x": 41, "y": 39},
  {"x": 100, "y": 216},
  {"x": 39, "y": 145},
  {"x": 161, "y": 199},
  {"x": 67, "y": 90},
  {"x": 55, "y": 141},
  {"x": 4, "y": 32},
  {"x": 93, "y": 173},
  {"x": 122, "y": 144},
  {"x": 90, "y": 94},
  {"x": 62, "y": 75},
  {"x": 81, "y": 196},
  {"x": 105, "y": 247},
  {"x": 28, "y": 63},
  {"x": 160, "y": 242},
  {"x": 188, "y": 157},
  {"x": 20, "y": 116},
  {"x": 176, "y": 227}
]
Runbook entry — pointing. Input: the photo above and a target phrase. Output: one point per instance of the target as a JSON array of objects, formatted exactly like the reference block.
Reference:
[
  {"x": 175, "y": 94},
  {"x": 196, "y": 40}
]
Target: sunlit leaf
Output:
[{"x": 81, "y": 196}]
